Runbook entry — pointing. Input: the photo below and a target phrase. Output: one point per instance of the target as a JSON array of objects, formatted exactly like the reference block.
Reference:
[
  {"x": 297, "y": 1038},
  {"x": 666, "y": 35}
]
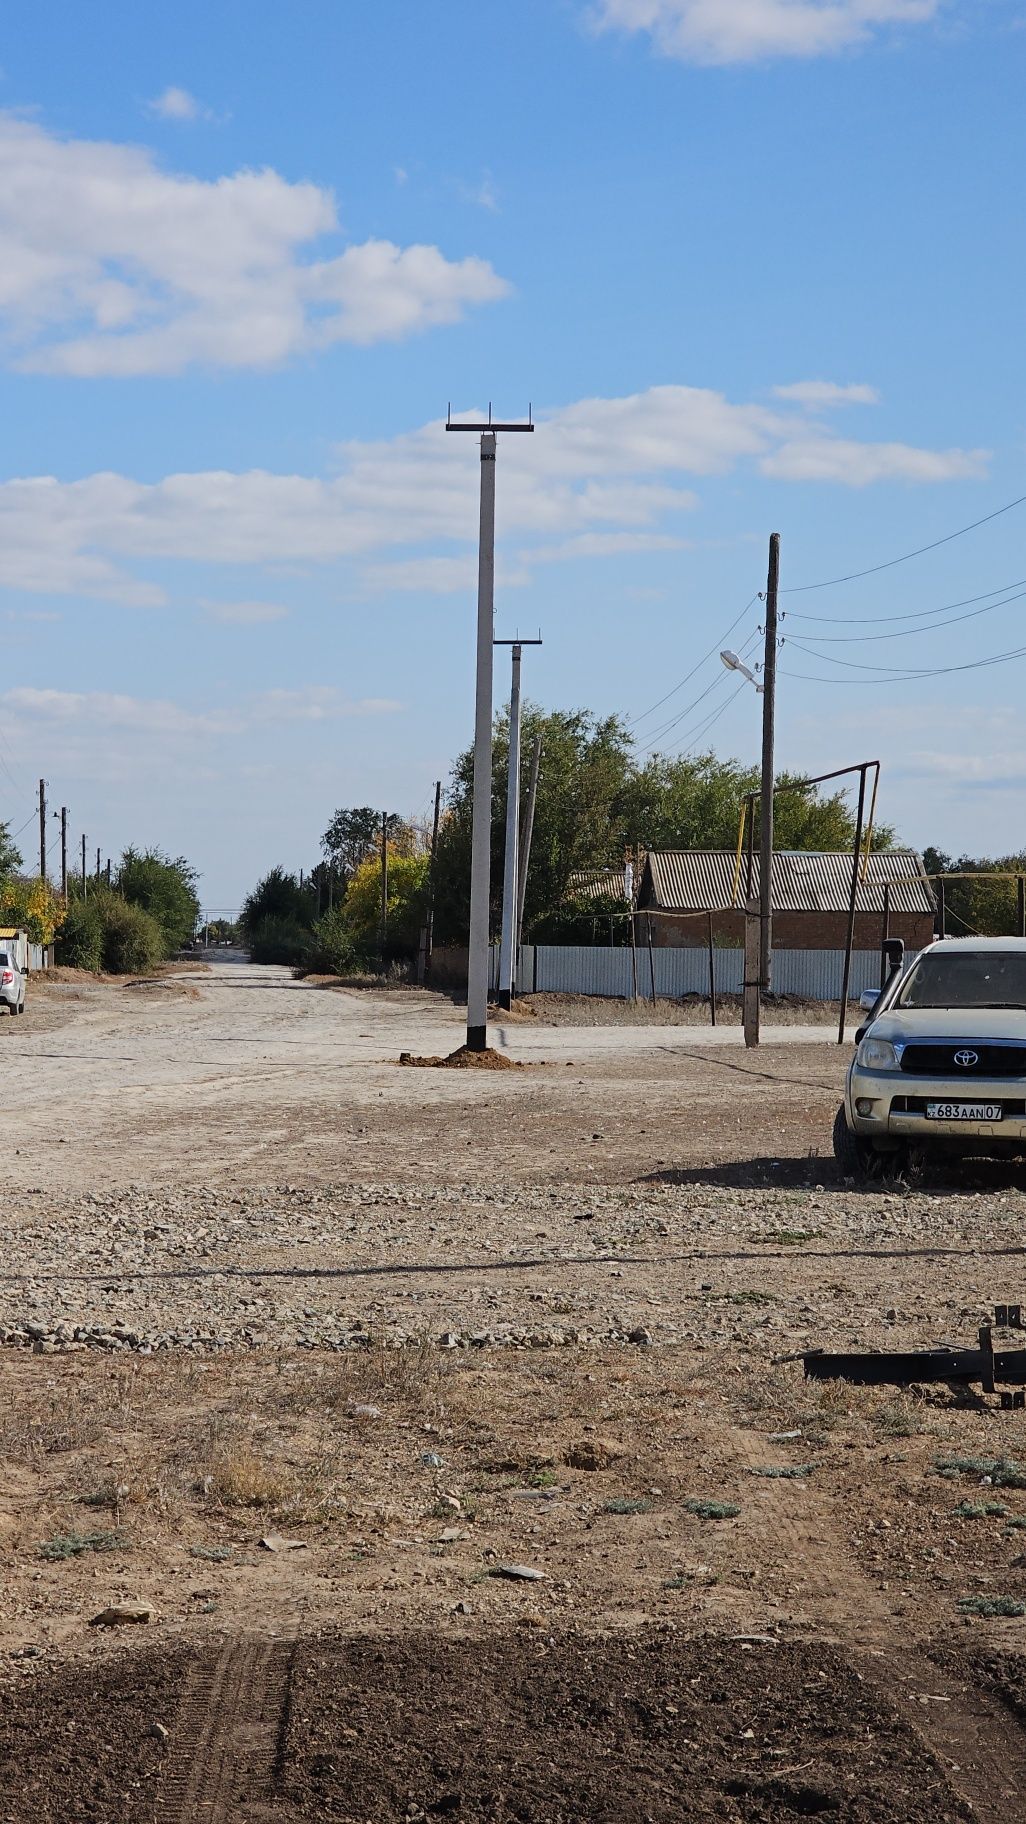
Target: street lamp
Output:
[{"x": 733, "y": 663}]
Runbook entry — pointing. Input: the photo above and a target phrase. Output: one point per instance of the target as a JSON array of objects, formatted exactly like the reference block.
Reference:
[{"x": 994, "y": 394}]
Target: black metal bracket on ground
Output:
[{"x": 994, "y": 1370}]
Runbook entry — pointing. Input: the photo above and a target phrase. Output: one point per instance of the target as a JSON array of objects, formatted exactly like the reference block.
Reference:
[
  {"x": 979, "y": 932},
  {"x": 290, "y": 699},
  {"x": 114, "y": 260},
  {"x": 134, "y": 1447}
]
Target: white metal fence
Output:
[{"x": 814, "y": 975}]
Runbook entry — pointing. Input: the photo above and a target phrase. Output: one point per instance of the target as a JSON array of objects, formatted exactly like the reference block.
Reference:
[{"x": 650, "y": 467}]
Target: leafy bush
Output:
[
  {"x": 281, "y": 940},
  {"x": 164, "y": 888},
  {"x": 334, "y": 949},
  {"x": 80, "y": 938},
  {"x": 133, "y": 942}
]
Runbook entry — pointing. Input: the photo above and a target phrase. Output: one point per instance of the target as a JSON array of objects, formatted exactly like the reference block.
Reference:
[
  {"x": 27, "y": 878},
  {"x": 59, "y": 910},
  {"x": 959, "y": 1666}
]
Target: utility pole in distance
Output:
[
  {"x": 769, "y": 704},
  {"x": 477, "y": 967},
  {"x": 384, "y": 881},
  {"x": 64, "y": 850},
  {"x": 524, "y": 858},
  {"x": 507, "y": 947},
  {"x": 42, "y": 829},
  {"x": 85, "y": 883}
]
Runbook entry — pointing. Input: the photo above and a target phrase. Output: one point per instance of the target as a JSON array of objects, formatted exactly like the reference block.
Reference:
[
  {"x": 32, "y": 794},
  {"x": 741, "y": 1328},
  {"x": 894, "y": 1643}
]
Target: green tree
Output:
[
  {"x": 278, "y": 897},
  {"x": 353, "y": 835},
  {"x": 983, "y": 908},
  {"x": 164, "y": 888},
  {"x": 10, "y": 854},
  {"x": 596, "y": 803}
]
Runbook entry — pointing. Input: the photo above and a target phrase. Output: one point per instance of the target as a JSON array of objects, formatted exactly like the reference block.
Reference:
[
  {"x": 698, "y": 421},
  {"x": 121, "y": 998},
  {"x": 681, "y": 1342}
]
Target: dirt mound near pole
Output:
[{"x": 462, "y": 1059}]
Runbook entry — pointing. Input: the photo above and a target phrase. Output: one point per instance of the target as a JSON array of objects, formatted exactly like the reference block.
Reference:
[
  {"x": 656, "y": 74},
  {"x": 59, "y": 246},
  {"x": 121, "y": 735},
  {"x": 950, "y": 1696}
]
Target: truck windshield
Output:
[{"x": 973, "y": 978}]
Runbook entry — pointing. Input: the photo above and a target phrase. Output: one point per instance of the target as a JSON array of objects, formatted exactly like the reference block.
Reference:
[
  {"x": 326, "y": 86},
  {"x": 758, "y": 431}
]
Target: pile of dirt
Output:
[{"x": 462, "y": 1059}]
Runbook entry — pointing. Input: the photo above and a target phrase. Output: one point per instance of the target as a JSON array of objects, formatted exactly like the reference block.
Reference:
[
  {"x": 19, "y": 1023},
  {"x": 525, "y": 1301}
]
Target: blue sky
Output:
[{"x": 758, "y": 265}]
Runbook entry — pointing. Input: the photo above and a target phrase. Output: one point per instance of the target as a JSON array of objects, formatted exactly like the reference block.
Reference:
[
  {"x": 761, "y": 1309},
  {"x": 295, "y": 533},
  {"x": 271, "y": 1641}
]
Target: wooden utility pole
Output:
[
  {"x": 769, "y": 705},
  {"x": 42, "y": 829},
  {"x": 97, "y": 867},
  {"x": 64, "y": 850},
  {"x": 85, "y": 883}
]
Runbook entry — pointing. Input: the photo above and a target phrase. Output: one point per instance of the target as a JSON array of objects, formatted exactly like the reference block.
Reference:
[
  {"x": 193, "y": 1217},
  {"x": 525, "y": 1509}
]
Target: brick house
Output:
[{"x": 810, "y": 898}]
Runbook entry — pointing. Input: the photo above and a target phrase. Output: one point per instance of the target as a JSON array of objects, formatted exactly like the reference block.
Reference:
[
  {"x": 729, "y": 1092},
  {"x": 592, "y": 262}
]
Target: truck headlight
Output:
[{"x": 876, "y": 1054}]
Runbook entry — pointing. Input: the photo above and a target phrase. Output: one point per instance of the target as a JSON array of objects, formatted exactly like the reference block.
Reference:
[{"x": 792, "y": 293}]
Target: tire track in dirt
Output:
[
  {"x": 228, "y": 1734},
  {"x": 979, "y": 1747}
]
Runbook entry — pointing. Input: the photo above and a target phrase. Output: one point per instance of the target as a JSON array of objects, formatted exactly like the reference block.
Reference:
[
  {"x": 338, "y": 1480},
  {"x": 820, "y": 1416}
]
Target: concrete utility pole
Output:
[
  {"x": 64, "y": 850},
  {"x": 508, "y": 943},
  {"x": 769, "y": 704},
  {"x": 524, "y": 858},
  {"x": 42, "y": 829},
  {"x": 481, "y": 829},
  {"x": 384, "y": 881}
]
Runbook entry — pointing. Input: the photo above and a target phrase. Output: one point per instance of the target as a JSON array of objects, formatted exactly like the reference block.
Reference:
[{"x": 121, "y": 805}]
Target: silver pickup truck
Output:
[{"x": 941, "y": 1059}]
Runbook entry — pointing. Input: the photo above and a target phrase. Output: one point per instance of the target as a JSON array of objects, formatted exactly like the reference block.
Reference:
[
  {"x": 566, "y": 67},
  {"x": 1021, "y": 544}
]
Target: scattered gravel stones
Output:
[{"x": 201, "y": 1270}]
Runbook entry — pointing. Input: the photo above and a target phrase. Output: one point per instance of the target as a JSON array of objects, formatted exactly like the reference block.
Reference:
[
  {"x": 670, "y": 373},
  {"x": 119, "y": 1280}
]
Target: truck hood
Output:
[{"x": 911, "y": 1025}]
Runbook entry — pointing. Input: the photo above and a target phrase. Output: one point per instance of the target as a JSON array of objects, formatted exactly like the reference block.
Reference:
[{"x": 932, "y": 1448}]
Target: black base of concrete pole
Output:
[
  {"x": 505, "y": 998},
  {"x": 477, "y": 1038}
]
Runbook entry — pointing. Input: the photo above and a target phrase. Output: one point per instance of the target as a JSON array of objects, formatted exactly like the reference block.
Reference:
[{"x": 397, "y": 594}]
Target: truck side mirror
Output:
[{"x": 894, "y": 955}]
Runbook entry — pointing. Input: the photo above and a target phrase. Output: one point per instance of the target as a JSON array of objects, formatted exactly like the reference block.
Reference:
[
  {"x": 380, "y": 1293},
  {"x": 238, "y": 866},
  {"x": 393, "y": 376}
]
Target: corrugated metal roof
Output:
[
  {"x": 700, "y": 880},
  {"x": 598, "y": 883}
]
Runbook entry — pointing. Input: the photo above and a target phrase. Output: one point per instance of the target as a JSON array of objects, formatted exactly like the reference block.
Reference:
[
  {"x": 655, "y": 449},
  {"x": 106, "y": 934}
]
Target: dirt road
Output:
[
  {"x": 425, "y": 1331},
  {"x": 242, "y": 1073}
]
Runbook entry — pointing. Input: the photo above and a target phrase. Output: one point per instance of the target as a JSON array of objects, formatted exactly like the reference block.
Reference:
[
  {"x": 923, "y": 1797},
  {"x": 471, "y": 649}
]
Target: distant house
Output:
[
  {"x": 600, "y": 883},
  {"x": 811, "y": 893}
]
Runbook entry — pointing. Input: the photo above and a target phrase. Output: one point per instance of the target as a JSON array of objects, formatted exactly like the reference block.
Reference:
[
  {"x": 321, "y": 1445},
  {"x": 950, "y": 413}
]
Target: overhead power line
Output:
[
  {"x": 713, "y": 650},
  {"x": 895, "y": 674},
  {"x": 855, "y": 576},
  {"x": 918, "y": 614},
  {"x": 904, "y": 633},
  {"x": 682, "y": 715}
]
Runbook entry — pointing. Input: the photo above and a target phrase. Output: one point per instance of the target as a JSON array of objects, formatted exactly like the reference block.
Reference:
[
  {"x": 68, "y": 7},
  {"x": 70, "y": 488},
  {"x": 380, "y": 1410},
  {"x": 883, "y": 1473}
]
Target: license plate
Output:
[{"x": 964, "y": 1111}]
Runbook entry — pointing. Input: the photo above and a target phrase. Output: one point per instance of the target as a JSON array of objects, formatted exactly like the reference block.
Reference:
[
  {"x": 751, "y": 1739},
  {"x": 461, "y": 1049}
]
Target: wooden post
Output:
[
  {"x": 753, "y": 951},
  {"x": 651, "y": 958},
  {"x": 885, "y": 934},
  {"x": 940, "y": 907},
  {"x": 634, "y": 959},
  {"x": 712, "y": 971}
]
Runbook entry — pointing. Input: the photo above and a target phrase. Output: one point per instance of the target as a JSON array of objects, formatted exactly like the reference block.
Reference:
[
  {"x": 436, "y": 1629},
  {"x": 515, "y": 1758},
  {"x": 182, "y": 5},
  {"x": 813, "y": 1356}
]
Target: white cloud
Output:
[
  {"x": 318, "y": 703},
  {"x": 605, "y": 544},
  {"x": 111, "y": 265},
  {"x": 823, "y": 395},
  {"x": 177, "y": 104},
  {"x": 600, "y": 469},
  {"x": 742, "y": 31},
  {"x": 108, "y": 710},
  {"x": 483, "y": 194},
  {"x": 245, "y": 614},
  {"x": 856, "y": 465}
]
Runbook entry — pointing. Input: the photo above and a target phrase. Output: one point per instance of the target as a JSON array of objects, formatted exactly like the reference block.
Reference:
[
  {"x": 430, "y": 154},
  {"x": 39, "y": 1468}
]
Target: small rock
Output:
[
  {"x": 121, "y": 1614},
  {"x": 517, "y": 1573},
  {"x": 276, "y": 1542},
  {"x": 641, "y": 1336},
  {"x": 450, "y": 1534},
  {"x": 366, "y": 1412},
  {"x": 158, "y": 1732},
  {"x": 432, "y": 1460}
]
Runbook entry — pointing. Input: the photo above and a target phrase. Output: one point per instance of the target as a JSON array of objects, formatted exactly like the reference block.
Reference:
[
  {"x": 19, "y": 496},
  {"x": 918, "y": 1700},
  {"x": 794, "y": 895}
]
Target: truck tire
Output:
[{"x": 855, "y": 1157}]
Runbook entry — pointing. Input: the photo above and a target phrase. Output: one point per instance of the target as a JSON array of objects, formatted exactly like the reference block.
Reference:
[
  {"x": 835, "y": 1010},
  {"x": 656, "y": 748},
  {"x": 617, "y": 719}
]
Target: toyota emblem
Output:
[{"x": 967, "y": 1059}]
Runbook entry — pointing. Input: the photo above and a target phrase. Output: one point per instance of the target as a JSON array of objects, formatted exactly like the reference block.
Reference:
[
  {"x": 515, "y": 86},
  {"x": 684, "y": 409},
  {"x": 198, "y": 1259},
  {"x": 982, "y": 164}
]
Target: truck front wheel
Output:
[{"x": 856, "y": 1158}]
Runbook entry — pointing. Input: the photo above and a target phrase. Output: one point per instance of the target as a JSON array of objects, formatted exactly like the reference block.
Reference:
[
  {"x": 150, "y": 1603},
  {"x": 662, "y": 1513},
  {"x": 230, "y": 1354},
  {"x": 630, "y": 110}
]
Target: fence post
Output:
[{"x": 712, "y": 973}]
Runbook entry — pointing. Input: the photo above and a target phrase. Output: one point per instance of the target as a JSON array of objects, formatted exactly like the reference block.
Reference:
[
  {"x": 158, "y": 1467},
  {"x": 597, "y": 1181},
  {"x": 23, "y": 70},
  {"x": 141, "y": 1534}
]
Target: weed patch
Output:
[
  {"x": 621, "y": 1504},
  {"x": 712, "y": 1510},
  {"x": 74, "y": 1545}
]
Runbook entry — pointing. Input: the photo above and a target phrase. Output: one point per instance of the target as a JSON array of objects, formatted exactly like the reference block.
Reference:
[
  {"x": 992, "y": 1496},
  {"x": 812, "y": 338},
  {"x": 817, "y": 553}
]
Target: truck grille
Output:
[{"x": 940, "y": 1060}]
